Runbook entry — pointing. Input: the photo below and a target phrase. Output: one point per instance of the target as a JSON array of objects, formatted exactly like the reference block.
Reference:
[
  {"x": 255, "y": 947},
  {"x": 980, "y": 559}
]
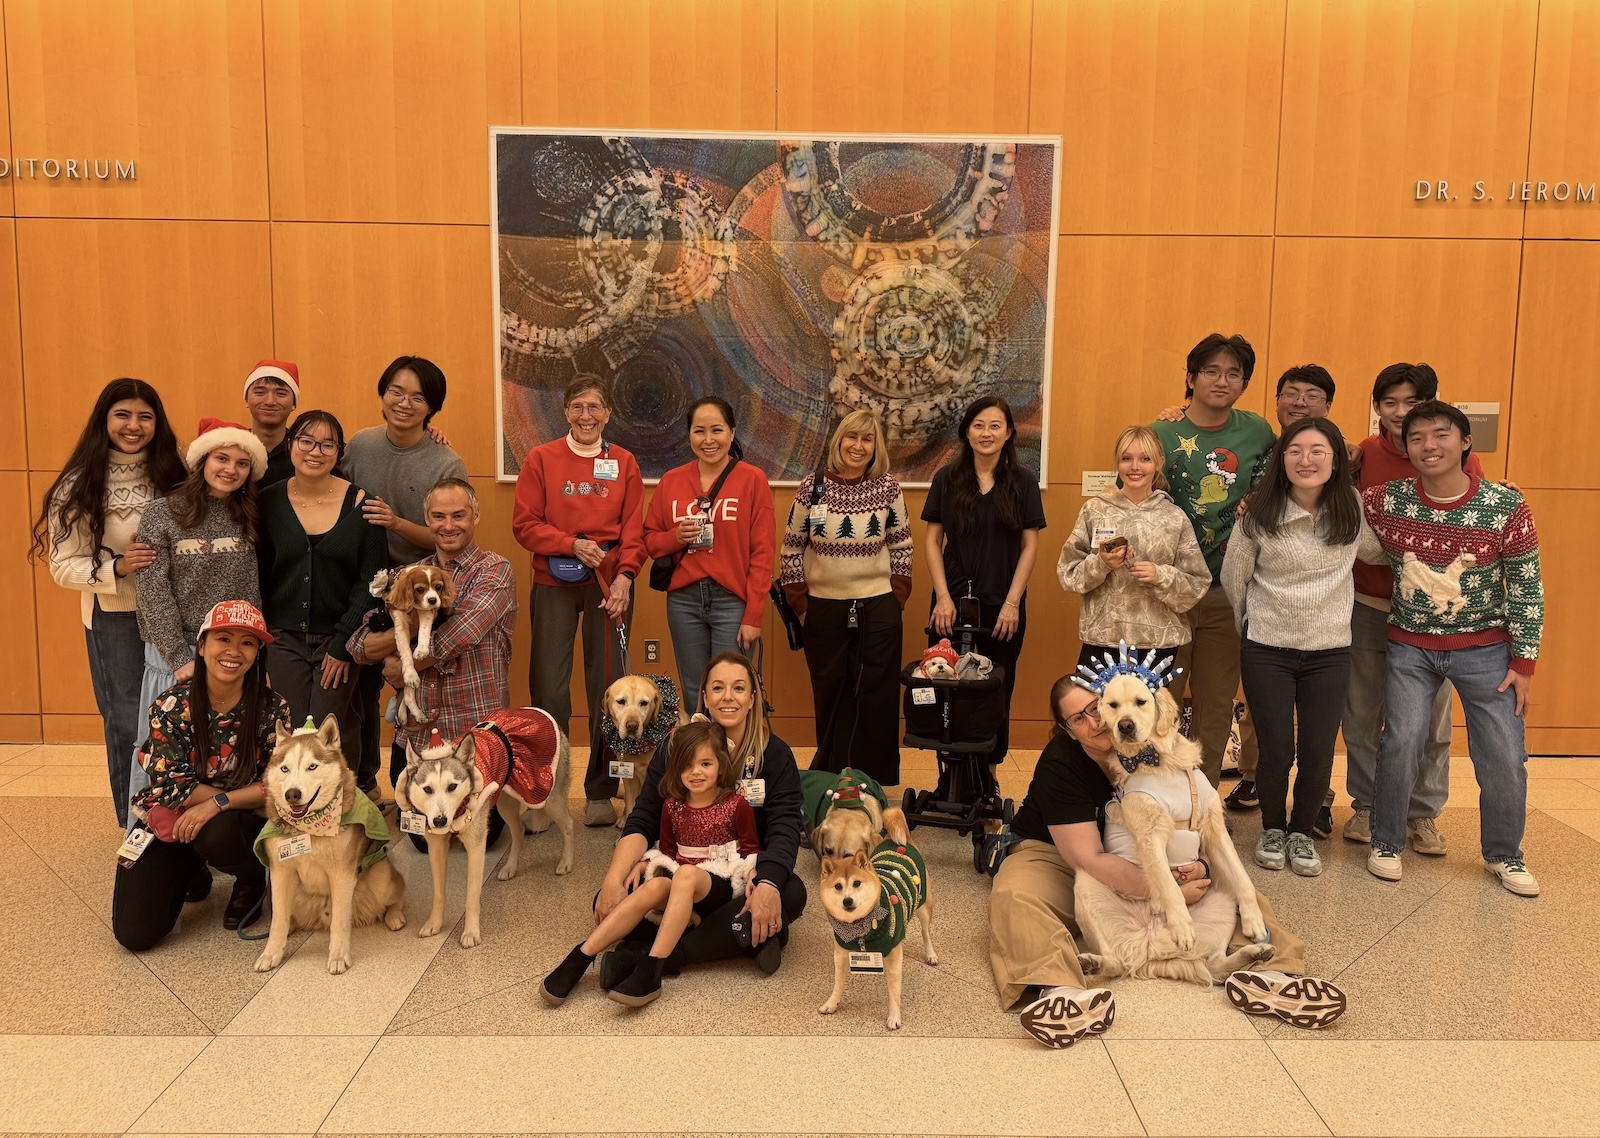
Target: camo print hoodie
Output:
[{"x": 1117, "y": 607}]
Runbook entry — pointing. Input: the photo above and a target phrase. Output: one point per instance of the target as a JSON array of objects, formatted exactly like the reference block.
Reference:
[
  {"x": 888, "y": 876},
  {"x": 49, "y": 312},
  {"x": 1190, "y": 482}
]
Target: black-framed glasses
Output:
[
  {"x": 1076, "y": 721},
  {"x": 316, "y": 446}
]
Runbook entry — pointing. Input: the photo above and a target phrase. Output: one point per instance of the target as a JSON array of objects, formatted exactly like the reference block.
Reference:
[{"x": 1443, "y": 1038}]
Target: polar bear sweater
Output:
[{"x": 1465, "y": 572}]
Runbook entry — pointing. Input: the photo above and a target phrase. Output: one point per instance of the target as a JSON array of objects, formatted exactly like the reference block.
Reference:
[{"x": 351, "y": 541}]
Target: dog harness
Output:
[
  {"x": 1183, "y": 846},
  {"x": 655, "y": 732},
  {"x": 517, "y": 749},
  {"x": 901, "y": 872}
]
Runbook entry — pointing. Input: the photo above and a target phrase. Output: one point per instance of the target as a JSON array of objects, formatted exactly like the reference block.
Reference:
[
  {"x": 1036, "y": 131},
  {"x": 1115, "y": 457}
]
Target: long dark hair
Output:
[
  {"x": 81, "y": 485},
  {"x": 304, "y": 421},
  {"x": 725, "y": 409},
  {"x": 247, "y": 754},
  {"x": 683, "y": 745},
  {"x": 964, "y": 474},
  {"x": 1338, "y": 508},
  {"x": 191, "y": 500}
]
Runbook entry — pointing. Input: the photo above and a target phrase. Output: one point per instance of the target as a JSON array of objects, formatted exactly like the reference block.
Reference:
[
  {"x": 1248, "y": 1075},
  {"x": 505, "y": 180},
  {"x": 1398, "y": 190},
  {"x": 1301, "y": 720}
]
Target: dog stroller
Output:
[{"x": 959, "y": 720}]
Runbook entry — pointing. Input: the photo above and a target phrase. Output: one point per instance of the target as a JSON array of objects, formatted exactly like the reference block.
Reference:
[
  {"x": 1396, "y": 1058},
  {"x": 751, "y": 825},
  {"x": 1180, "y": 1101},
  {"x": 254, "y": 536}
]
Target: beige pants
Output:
[
  {"x": 1210, "y": 663},
  {"x": 1031, "y": 926}
]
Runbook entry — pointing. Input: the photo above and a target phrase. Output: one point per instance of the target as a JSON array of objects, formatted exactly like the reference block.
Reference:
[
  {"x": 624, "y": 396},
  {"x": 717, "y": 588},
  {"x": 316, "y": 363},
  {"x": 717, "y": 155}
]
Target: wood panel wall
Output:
[{"x": 313, "y": 185}]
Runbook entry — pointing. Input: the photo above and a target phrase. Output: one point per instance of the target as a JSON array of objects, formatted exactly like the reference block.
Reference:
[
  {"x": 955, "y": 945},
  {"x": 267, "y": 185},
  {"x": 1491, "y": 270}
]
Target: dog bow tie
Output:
[{"x": 1147, "y": 756}]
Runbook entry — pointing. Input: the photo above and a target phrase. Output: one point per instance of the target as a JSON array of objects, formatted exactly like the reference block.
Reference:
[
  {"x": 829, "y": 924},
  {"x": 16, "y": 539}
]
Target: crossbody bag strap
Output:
[{"x": 716, "y": 487}]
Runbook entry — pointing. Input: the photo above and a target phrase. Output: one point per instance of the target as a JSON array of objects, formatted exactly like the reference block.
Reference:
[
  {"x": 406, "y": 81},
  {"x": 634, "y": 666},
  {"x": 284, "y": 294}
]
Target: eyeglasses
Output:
[
  {"x": 396, "y": 395},
  {"x": 586, "y": 408},
  {"x": 1317, "y": 454},
  {"x": 1232, "y": 375},
  {"x": 1092, "y": 712},
  {"x": 1313, "y": 398},
  {"x": 316, "y": 446}
]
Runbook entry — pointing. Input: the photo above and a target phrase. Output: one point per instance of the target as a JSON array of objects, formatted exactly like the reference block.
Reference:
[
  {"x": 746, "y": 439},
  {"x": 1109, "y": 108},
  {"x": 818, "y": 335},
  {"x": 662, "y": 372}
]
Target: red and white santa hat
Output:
[
  {"x": 217, "y": 433},
  {"x": 283, "y": 371}
]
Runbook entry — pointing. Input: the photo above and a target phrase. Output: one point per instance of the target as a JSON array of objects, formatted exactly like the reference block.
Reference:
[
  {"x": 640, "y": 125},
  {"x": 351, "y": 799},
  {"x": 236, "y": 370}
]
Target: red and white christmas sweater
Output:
[
  {"x": 1381, "y": 463},
  {"x": 743, "y": 533},
  {"x": 562, "y": 494}
]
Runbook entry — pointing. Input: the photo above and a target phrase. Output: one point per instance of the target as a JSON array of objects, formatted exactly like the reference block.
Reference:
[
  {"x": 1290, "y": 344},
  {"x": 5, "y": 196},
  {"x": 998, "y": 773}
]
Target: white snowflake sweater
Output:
[
  {"x": 862, "y": 548},
  {"x": 1465, "y": 572}
]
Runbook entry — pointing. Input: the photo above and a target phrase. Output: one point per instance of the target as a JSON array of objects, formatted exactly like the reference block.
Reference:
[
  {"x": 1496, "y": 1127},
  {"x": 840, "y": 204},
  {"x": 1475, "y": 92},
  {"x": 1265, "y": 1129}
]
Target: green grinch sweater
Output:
[
  {"x": 902, "y": 873},
  {"x": 1465, "y": 572},
  {"x": 1210, "y": 472}
]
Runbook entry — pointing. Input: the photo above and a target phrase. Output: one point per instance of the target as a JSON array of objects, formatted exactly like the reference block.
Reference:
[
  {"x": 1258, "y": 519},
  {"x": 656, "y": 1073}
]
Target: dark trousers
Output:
[
  {"x": 366, "y": 717},
  {"x": 1004, "y": 653},
  {"x": 713, "y": 937},
  {"x": 116, "y": 668},
  {"x": 1283, "y": 685},
  {"x": 294, "y": 665},
  {"x": 555, "y": 612},
  {"x": 855, "y": 684},
  {"x": 148, "y": 895}
]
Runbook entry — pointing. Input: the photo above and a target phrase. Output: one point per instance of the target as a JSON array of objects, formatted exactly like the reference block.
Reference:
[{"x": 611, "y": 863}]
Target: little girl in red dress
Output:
[{"x": 707, "y": 852}]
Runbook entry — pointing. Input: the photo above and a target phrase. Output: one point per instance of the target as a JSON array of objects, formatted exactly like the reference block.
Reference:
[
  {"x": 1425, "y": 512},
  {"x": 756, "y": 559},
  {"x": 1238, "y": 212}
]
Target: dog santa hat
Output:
[
  {"x": 283, "y": 371},
  {"x": 218, "y": 433}
]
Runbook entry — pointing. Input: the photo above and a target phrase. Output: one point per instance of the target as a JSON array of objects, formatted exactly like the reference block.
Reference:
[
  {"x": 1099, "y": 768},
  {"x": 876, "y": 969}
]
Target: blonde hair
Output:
[
  {"x": 857, "y": 422},
  {"x": 1151, "y": 442}
]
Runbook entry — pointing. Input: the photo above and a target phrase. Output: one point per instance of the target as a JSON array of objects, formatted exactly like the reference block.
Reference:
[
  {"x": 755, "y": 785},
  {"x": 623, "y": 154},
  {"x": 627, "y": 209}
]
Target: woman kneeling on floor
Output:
[
  {"x": 202, "y": 807},
  {"x": 1031, "y": 915}
]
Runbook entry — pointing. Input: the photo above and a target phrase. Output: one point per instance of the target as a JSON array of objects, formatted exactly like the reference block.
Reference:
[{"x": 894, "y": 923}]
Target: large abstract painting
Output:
[{"x": 796, "y": 278}]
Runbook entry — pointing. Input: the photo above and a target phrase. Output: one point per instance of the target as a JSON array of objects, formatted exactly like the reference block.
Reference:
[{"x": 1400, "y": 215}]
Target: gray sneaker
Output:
[
  {"x": 1269, "y": 850},
  {"x": 1425, "y": 838},
  {"x": 1359, "y": 828},
  {"x": 600, "y": 813},
  {"x": 1303, "y": 857}
]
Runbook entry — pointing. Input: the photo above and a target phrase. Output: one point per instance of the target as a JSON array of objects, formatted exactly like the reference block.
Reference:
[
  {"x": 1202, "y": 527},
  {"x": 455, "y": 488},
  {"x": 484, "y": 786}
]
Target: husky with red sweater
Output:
[{"x": 515, "y": 760}]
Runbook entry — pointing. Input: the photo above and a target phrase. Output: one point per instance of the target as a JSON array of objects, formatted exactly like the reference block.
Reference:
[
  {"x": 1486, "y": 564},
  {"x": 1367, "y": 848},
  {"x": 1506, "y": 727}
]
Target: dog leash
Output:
[{"x": 254, "y": 914}]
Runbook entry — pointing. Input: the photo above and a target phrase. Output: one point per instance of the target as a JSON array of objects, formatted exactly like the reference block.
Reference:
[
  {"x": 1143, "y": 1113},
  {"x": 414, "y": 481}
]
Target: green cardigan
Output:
[
  {"x": 903, "y": 875},
  {"x": 322, "y": 589}
]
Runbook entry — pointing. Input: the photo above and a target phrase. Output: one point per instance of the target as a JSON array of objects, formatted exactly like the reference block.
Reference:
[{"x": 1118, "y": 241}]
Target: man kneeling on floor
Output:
[{"x": 1031, "y": 920}]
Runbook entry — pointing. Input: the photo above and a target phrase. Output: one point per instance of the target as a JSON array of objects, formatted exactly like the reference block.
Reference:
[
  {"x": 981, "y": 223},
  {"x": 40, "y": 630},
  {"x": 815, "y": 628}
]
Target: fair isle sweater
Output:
[
  {"x": 193, "y": 570},
  {"x": 75, "y": 565},
  {"x": 1466, "y": 572},
  {"x": 861, "y": 549}
]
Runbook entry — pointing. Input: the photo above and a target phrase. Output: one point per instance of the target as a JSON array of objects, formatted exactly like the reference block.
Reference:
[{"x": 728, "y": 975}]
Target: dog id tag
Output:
[
  {"x": 620, "y": 769},
  {"x": 866, "y": 962},
  {"x": 754, "y": 790},
  {"x": 922, "y": 696},
  {"x": 412, "y": 823},
  {"x": 133, "y": 846},
  {"x": 605, "y": 469},
  {"x": 294, "y": 847}
]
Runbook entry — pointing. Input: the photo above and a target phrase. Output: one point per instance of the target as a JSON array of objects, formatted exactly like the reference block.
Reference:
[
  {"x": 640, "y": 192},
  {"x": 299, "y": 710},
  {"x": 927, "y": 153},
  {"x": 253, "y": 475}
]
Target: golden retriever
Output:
[{"x": 640, "y": 712}]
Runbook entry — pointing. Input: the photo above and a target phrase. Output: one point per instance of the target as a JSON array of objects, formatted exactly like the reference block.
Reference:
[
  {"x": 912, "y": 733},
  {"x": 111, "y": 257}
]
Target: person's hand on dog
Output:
[
  {"x": 1193, "y": 881},
  {"x": 766, "y": 911},
  {"x": 393, "y": 674},
  {"x": 1521, "y": 683},
  {"x": 616, "y": 602},
  {"x": 334, "y": 672},
  {"x": 1144, "y": 572},
  {"x": 587, "y": 552},
  {"x": 139, "y": 556}
]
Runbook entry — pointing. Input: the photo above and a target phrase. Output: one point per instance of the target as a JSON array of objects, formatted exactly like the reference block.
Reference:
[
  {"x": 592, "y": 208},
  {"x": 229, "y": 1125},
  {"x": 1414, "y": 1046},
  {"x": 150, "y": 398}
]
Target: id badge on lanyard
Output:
[{"x": 605, "y": 467}]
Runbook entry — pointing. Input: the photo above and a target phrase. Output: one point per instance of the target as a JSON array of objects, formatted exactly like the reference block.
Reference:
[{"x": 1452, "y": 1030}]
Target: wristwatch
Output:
[{"x": 220, "y": 800}]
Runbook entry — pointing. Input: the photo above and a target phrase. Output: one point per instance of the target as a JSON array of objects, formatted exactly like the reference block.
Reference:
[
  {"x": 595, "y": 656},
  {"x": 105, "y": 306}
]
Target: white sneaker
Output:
[
  {"x": 1269, "y": 849},
  {"x": 1062, "y": 1016},
  {"x": 1425, "y": 837},
  {"x": 1303, "y": 857},
  {"x": 1303, "y": 1001},
  {"x": 1382, "y": 863},
  {"x": 1359, "y": 828},
  {"x": 1514, "y": 876}
]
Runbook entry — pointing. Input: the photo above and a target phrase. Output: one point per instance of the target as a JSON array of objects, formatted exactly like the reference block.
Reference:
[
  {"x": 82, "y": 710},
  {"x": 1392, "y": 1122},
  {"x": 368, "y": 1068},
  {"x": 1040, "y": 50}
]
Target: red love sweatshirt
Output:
[
  {"x": 744, "y": 533},
  {"x": 559, "y": 497}
]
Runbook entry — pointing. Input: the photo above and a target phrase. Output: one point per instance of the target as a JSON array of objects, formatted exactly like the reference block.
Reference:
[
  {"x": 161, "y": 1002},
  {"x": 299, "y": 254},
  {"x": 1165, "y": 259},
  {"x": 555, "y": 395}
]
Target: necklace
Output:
[{"x": 307, "y": 504}]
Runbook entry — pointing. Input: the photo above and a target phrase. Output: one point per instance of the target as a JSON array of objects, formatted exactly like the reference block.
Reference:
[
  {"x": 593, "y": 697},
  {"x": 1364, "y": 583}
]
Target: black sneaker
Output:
[
  {"x": 1323, "y": 826},
  {"x": 1243, "y": 796}
]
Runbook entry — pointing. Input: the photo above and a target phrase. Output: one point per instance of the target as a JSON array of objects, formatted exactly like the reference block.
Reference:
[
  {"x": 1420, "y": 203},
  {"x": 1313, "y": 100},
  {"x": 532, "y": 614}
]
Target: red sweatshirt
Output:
[
  {"x": 559, "y": 497},
  {"x": 1383, "y": 462},
  {"x": 743, "y": 528}
]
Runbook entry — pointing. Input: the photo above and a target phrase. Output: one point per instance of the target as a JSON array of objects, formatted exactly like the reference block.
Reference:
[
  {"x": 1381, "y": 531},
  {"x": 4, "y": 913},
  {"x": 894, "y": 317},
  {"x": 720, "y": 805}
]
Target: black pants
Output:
[
  {"x": 1282, "y": 685},
  {"x": 366, "y": 717},
  {"x": 148, "y": 895},
  {"x": 855, "y": 684},
  {"x": 1004, "y": 653},
  {"x": 713, "y": 938}
]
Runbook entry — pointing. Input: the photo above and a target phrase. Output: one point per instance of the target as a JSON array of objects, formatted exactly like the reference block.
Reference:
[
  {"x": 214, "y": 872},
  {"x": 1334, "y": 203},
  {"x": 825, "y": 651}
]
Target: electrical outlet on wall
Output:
[{"x": 652, "y": 651}]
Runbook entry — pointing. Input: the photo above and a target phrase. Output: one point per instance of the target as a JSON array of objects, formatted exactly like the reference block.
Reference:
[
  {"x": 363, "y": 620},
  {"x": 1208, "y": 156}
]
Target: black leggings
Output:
[
  {"x": 148, "y": 895},
  {"x": 713, "y": 937}
]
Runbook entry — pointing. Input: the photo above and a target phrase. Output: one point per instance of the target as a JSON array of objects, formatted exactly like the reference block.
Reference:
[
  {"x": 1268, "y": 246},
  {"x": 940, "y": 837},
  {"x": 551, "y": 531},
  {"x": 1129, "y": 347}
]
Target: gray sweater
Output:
[
  {"x": 402, "y": 477},
  {"x": 193, "y": 570}
]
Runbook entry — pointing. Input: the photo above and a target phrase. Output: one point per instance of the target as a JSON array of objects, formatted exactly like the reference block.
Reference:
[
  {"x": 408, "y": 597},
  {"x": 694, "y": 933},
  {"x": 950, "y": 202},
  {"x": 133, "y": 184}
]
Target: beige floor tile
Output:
[
  {"x": 386, "y": 966},
  {"x": 1564, "y": 768},
  {"x": 1471, "y": 1088},
  {"x": 1032, "y": 1088},
  {"x": 49, "y": 1078},
  {"x": 296, "y": 1095},
  {"x": 70, "y": 755},
  {"x": 1166, "y": 1009},
  {"x": 13, "y": 752},
  {"x": 59, "y": 782},
  {"x": 1261, "y": 1099},
  {"x": 1584, "y": 821},
  {"x": 11, "y": 772},
  {"x": 1549, "y": 794},
  {"x": 219, "y": 1134}
]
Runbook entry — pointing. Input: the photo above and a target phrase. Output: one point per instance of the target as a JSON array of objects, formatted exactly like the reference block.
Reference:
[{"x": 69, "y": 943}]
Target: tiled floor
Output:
[{"x": 1471, "y": 1011}]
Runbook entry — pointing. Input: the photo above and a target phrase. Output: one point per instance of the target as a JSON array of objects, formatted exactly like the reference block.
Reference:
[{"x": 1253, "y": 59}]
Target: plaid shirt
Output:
[{"x": 469, "y": 678}]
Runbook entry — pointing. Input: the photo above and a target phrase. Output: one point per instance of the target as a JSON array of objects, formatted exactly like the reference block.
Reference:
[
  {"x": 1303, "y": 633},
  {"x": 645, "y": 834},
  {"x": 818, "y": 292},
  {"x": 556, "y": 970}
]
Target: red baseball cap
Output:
[{"x": 241, "y": 615}]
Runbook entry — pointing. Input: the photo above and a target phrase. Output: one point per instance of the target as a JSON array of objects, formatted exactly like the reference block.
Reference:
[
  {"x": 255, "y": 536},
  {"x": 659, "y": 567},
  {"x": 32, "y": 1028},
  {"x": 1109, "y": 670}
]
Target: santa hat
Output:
[
  {"x": 215, "y": 433},
  {"x": 283, "y": 371}
]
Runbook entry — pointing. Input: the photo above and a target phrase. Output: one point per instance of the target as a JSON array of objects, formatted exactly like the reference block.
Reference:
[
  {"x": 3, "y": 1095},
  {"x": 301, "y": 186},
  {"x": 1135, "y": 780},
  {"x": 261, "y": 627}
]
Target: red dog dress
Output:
[{"x": 517, "y": 748}]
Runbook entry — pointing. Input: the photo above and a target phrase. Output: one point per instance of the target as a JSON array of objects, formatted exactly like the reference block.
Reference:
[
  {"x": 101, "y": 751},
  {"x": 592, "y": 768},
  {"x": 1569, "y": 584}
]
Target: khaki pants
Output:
[
  {"x": 1210, "y": 663},
  {"x": 1031, "y": 926}
]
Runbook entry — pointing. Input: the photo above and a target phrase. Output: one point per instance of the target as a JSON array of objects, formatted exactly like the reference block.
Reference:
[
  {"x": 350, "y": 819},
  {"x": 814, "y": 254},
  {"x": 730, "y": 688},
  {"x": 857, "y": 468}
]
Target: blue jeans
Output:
[
  {"x": 116, "y": 665},
  {"x": 1495, "y": 742},
  {"x": 704, "y": 620},
  {"x": 156, "y": 679}
]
